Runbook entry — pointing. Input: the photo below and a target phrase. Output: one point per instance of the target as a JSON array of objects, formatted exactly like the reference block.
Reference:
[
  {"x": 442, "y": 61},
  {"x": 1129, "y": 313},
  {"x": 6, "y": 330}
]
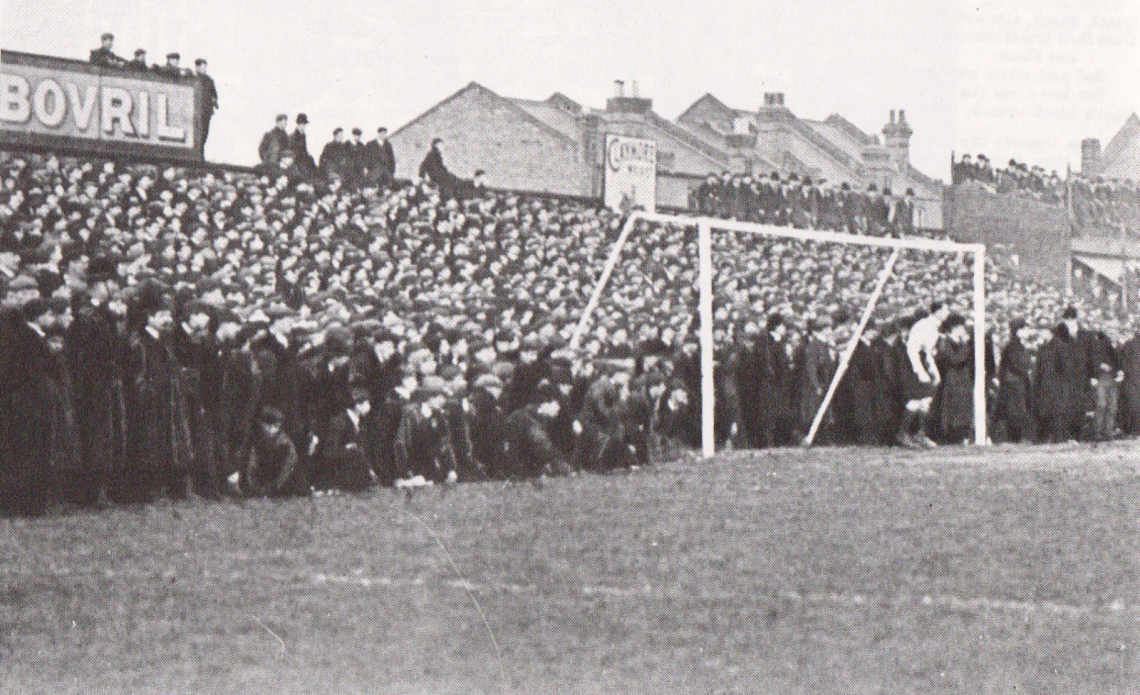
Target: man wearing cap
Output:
[
  {"x": 172, "y": 67},
  {"x": 1106, "y": 376},
  {"x": 878, "y": 212},
  {"x": 209, "y": 97},
  {"x": 814, "y": 366},
  {"x": 138, "y": 63},
  {"x": 1129, "y": 356},
  {"x": 273, "y": 468},
  {"x": 775, "y": 410},
  {"x": 160, "y": 443},
  {"x": 486, "y": 418},
  {"x": 273, "y": 143},
  {"x": 93, "y": 352},
  {"x": 533, "y": 366},
  {"x": 27, "y": 372},
  {"x": 349, "y": 444},
  {"x": 528, "y": 448},
  {"x": 1062, "y": 381},
  {"x": 356, "y": 165},
  {"x": 707, "y": 194},
  {"x": 433, "y": 168},
  {"x": 380, "y": 159},
  {"x": 599, "y": 427},
  {"x": 1014, "y": 408},
  {"x": 104, "y": 55},
  {"x": 335, "y": 158},
  {"x": 388, "y": 420},
  {"x": 423, "y": 442},
  {"x": 902, "y": 216},
  {"x": 200, "y": 372}
]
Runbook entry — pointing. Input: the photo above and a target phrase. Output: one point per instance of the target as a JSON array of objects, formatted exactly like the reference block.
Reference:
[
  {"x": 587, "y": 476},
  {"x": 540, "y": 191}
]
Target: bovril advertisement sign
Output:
[
  {"x": 631, "y": 173},
  {"x": 59, "y": 102}
]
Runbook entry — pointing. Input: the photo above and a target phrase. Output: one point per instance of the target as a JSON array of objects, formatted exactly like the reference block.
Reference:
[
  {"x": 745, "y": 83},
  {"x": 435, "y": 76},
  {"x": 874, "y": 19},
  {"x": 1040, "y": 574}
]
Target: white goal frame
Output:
[{"x": 705, "y": 227}]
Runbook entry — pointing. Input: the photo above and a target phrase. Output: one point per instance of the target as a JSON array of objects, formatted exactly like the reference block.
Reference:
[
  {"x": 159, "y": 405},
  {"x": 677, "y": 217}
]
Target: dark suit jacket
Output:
[
  {"x": 345, "y": 452},
  {"x": 272, "y": 143}
]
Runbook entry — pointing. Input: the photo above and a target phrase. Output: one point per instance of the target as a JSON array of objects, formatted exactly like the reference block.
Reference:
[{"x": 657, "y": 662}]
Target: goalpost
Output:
[{"x": 705, "y": 227}]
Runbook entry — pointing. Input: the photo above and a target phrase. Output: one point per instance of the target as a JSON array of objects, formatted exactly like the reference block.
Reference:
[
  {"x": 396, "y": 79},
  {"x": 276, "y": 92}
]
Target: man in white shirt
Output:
[{"x": 922, "y": 381}]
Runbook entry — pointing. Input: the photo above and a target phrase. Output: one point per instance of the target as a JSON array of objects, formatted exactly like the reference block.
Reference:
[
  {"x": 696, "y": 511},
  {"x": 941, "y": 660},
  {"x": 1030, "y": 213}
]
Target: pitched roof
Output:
[
  {"x": 687, "y": 138},
  {"x": 474, "y": 88},
  {"x": 712, "y": 101},
  {"x": 1127, "y": 134},
  {"x": 850, "y": 129},
  {"x": 562, "y": 101},
  {"x": 552, "y": 115}
]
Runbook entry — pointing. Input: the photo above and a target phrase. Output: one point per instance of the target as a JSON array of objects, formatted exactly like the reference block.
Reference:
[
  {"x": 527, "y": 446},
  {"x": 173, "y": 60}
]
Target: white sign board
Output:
[{"x": 630, "y": 173}]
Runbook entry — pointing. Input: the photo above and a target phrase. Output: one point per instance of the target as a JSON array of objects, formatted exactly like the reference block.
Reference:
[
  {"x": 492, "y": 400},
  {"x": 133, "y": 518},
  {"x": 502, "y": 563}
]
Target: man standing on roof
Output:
[
  {"x": 433, "y": 168},
  {"x": 139, "y": 62},
  {"x": 272, "y": 143},
  {"x": 104, "y": 55},
  {"x": 335, "y": 158},
  {"x": 380, "y": 159},
  {"x": 300, "y": 147},
  {"x": 172, "y": 67},
  {"x": 209, "y": 98}
]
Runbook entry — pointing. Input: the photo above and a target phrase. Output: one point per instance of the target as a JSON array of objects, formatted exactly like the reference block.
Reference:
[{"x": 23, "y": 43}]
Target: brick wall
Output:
[
  {"x": 1036, "y": 233},
  {"x": 515, "y": 151}
]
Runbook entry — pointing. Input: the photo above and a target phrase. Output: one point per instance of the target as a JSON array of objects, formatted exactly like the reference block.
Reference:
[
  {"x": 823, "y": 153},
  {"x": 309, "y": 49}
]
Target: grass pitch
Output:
[{"x": 826, "y": 571}]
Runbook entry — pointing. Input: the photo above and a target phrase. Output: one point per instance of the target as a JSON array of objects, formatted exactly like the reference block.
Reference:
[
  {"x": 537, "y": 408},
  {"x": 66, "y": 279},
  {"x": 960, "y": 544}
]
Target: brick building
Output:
[
  {"x": 1032, "y": 235},
  {"x": 773, "y": 138},
  {"x": 556, "y": 145}
]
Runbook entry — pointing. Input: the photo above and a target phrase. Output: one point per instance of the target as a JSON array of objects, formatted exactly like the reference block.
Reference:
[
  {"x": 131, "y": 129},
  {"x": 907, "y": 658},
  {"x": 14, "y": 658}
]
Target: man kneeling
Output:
[{"x": 272, "y": 469}]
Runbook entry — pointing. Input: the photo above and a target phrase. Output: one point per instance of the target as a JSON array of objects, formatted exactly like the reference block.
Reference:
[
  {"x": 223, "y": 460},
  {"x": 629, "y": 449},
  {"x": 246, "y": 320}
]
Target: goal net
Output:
[{"x": 744, "y": 268}]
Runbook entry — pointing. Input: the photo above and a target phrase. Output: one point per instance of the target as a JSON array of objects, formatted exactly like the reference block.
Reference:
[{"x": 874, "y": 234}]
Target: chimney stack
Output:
[
  {"x": 620, "y": 103},
  {"x": 1091, "y": 163},
  {"x": 773, "y": 98},
  {"x": 896, "y": 138}
]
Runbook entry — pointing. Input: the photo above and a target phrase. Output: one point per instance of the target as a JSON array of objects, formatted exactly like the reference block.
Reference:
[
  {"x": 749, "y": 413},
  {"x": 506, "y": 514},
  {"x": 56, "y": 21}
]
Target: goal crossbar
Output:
[{"x": 705, "y": 225}]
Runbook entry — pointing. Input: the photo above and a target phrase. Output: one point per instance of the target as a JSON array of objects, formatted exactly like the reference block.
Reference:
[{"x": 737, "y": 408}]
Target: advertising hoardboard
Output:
[
  {"x": 73, "y": 106},
  {"x": 630, "y": 173}
]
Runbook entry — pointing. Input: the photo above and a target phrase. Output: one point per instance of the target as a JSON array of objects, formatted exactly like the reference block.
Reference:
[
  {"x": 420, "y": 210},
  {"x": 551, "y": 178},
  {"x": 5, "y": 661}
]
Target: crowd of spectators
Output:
[
  {"x": 805, "y": 204},
  {"x": 1105, "y": 207},
  {"x": 1099, "y": 206},
  {"x": 1016, "y": 178},
  {"x": 167, "y": 328}
]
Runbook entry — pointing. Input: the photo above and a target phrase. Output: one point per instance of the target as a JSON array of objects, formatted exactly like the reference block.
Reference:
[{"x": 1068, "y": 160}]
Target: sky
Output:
[{"x": 1022, "y": 79}]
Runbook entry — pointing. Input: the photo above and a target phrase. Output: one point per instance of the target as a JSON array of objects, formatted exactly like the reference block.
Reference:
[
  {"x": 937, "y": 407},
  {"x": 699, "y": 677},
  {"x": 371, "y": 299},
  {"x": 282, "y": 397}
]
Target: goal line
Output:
[{"x": 706, "y": 226}]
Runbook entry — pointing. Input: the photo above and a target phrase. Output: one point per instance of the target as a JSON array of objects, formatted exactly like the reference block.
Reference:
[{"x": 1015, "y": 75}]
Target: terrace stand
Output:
[{"x": 706, "y": 226}]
